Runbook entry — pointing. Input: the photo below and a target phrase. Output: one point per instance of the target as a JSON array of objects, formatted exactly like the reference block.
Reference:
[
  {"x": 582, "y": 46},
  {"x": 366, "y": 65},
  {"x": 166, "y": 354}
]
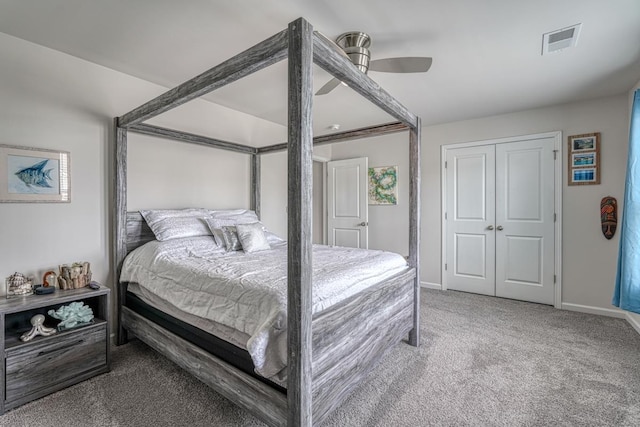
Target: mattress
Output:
[{"x": 244, "y": 296}]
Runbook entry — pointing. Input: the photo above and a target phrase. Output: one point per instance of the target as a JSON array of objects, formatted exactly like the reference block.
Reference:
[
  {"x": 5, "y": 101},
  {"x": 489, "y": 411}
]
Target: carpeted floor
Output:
[{"x": 483, "y": 362}]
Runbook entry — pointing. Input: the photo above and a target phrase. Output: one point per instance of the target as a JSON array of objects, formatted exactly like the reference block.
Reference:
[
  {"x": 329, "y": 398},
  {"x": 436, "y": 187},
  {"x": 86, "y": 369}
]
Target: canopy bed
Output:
[{"x": 329, "y": 350}]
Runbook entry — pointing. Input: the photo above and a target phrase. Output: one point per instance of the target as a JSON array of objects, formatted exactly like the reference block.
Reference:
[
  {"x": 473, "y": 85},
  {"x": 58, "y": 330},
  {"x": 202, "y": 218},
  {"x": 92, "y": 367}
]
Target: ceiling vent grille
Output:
[{"x": 558, "y": 40}]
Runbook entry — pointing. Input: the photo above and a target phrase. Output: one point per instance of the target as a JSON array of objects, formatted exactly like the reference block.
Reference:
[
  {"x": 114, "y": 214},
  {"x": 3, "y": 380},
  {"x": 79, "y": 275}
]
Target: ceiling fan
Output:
[{"x": 356, "y": 45}]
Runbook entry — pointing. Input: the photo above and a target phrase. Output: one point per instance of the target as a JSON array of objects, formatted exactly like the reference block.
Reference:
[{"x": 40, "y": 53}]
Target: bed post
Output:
[
  {"x": 299, "y": 223},
  {"x": 414, "y": 226},
  {"x": 255, "y": 184},
  {"x": 120, "y": 223}
]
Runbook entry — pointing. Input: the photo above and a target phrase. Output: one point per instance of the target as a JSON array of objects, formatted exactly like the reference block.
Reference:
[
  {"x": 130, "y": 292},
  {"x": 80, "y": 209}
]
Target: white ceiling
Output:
[{"x": 486, "y": 54}]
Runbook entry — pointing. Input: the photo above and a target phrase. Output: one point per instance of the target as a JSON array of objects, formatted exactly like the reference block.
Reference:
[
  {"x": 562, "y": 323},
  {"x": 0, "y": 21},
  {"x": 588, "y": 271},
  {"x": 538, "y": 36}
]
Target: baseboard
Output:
[
  {"x": 430, "y": 285},
  {"x": 635, "y": 323},
  {"x": 610, "y": 312}
]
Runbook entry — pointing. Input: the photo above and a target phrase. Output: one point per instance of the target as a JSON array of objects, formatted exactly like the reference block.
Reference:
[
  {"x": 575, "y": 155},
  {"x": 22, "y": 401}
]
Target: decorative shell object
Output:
[{"x": 18, "y": 285}]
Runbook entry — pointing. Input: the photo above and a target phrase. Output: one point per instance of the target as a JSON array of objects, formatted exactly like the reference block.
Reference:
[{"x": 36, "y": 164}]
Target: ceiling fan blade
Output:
[
  {"x": 331, "y": 85},
  {"x": 407, "y": 64}
]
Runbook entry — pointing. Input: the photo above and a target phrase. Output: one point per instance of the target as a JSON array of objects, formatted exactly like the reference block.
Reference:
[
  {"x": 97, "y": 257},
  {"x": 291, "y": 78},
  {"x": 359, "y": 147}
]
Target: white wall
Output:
[
  {"x": 589, "y": 260},
  {"x": 273, "y": 209},
  {"x": 53, "y": 100},
  {"x": 388, "y": 225}
]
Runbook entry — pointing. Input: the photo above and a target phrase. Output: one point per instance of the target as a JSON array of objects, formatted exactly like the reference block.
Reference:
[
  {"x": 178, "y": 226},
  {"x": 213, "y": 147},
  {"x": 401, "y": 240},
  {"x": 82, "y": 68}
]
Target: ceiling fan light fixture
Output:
[{"x": 355, "y": 45}]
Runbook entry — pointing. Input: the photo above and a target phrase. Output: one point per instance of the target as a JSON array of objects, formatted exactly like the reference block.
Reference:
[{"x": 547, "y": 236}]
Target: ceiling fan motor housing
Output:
[{"x": 356, "y": 45}]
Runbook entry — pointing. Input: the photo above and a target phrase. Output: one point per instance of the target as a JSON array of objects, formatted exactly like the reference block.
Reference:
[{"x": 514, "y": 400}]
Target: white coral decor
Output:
[{"x": 72, "y": 315}]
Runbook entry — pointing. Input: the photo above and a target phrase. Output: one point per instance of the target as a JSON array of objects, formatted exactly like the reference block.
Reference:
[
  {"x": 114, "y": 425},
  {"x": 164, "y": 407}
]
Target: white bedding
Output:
[{"x": 248, "y": 292}]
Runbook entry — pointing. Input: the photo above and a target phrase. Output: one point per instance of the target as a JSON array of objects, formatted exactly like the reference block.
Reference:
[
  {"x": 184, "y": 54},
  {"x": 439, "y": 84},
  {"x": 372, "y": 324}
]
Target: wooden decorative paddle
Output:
[{"x": 609, "y": 216}]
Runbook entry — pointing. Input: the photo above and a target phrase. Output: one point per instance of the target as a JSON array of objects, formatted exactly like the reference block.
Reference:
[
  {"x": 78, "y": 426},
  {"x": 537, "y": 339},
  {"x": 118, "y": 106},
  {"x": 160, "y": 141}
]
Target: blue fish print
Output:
[{"x": 35, "y": 175}]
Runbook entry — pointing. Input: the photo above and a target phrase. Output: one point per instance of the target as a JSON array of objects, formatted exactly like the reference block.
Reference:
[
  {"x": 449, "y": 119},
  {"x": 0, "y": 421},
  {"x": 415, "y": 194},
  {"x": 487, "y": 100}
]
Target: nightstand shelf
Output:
[{"x": 44, "y": 365}]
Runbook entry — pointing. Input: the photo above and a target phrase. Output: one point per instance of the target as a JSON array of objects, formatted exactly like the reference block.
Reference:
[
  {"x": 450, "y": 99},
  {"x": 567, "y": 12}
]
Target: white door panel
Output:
[
  {"x": 523, "y": 260},
  {"x": 347, "y": 219},
  {"x": 470, "y": 214},
  {"x": 346, "y": 237},
  {"x": 471, "y": 255},
  {"x": 525, "y": 220}
]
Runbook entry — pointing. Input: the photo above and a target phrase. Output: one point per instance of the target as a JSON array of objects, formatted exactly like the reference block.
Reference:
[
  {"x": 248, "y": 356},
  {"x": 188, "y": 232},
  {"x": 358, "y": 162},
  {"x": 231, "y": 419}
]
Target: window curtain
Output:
[{"x": 627, "y": 291}]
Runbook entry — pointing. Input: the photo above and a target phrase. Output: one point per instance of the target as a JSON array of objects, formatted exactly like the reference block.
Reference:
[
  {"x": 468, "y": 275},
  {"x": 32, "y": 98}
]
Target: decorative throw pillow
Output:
[
  {"x": 215, "y": 225},
  {"x": 231, "y": 240},
  {"x": 252, "y": 237},
  {"x": 169, "y": 224}
]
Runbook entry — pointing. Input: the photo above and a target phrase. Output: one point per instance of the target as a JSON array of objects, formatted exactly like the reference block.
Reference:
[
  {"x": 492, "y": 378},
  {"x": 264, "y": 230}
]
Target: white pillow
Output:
[
  {"x": 242, "y": 216},
  {"x": 252, "y": 237},
  {"x": 169, "y": 224}
]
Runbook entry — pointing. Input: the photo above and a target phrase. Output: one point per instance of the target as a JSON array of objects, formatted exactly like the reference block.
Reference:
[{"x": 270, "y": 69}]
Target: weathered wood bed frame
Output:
[{"x": 329, "y": 352}]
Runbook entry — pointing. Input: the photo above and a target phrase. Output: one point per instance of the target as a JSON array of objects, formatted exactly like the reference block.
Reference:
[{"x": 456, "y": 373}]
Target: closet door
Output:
[
  {"x": 470, "y": 213},
  {"x": 525, "y": 220}
]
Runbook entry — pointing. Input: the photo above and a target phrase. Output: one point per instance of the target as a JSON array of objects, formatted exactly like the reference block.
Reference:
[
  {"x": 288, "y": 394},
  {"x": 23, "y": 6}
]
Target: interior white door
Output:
[
  {"x": 525, "y": 220},
  {"x": 347, "y": 208},
  {"x": 470, "y": 213}
]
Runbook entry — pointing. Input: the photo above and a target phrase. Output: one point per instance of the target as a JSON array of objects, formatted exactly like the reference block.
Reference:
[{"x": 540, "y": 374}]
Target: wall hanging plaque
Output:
[{"x": 609, "y": 216}]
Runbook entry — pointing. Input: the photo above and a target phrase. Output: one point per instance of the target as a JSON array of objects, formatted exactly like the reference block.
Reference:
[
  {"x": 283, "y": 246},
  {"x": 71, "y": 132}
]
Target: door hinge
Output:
[
  {"x": 555, "y": 217},
  {"x": 445, "y": 266},
  {"x": 445, "y": 165},
  {"x": 554, "y": 278},
  {"x": 555, "y": 154},
  {"x": 445, "y": 215}
]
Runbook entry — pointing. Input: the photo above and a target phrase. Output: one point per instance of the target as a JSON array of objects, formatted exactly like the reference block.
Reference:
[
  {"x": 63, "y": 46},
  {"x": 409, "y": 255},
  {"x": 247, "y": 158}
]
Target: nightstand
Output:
[{"x": 44, "y": 365}]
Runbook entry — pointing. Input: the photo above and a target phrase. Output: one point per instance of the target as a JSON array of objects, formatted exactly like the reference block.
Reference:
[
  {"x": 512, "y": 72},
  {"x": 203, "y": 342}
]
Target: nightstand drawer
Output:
[{"x": 38, "y": 367}]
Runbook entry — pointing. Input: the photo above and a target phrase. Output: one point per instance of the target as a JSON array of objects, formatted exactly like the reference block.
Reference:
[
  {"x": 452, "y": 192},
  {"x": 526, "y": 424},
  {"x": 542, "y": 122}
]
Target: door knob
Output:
[
  {"x": 363, "y": 224},
  {"x": 490, "y": 227},
  {"x": 499, "y": 228}
]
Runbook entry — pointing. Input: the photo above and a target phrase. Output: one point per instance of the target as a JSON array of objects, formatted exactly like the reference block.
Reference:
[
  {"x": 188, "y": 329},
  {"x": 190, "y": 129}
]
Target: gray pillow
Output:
[
  {"x": 252, "y": 237},
  {"x": 169, "y": 224},
  {"x": 231, "y": 240},
  {"x": 215, "y": 225}
]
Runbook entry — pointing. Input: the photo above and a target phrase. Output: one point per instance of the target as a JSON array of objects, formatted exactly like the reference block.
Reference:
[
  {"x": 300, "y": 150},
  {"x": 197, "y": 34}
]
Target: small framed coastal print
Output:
[
  {"x": 34, "y": 175},
  {"x": 584, "y": 159}
]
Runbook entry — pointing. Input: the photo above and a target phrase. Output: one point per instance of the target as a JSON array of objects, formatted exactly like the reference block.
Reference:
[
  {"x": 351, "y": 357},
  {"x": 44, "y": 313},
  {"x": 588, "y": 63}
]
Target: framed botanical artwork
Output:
[
  {"x": 34, "y": 175},
  {"x": 584, "y": 159},
  {"x": 383, "y": 185}
]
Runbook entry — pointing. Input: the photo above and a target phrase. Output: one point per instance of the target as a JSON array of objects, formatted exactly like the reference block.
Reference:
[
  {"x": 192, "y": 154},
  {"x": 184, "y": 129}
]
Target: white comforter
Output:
[{"x": 248, "y": 292}]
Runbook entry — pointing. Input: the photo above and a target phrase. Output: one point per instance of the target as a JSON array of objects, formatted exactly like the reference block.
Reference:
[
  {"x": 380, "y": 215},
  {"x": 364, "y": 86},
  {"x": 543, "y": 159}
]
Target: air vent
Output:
[{"x": 556, "y": 41}]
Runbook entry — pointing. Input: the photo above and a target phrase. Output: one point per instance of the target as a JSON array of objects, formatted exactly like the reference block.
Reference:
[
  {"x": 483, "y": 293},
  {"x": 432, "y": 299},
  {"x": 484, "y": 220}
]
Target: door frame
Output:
[
  {"x": 557, "y": 149},
  {"x": 324, "y": 161}
]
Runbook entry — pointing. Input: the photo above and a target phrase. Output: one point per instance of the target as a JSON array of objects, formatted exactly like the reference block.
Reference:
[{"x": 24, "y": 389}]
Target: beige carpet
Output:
[{"x": 484, "y": 362}]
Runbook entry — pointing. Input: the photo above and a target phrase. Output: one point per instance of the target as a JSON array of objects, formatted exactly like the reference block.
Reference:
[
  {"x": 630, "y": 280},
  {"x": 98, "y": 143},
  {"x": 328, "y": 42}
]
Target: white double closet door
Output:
[{"x": 499, "y": 219}]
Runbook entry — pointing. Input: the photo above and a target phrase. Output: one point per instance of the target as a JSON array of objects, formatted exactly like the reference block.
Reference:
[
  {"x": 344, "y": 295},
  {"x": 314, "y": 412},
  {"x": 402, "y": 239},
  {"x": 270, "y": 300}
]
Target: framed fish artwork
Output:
[{"x": 34, "y": 175}]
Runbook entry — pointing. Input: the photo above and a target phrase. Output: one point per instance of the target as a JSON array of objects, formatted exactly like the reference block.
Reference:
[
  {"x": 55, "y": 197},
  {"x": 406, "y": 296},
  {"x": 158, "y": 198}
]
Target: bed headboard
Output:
[{"x": 138, "y": 232}]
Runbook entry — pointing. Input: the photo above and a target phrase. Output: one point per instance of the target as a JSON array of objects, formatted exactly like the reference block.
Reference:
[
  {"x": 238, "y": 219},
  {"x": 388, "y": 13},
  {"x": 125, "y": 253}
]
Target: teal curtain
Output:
[{"x": 627, "y": 291}]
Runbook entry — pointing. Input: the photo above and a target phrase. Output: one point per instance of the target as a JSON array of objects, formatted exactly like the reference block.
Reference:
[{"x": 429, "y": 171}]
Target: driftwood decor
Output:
[
  {"x": 327, "y": 355},
  {"x": 74, "y": 276}
]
